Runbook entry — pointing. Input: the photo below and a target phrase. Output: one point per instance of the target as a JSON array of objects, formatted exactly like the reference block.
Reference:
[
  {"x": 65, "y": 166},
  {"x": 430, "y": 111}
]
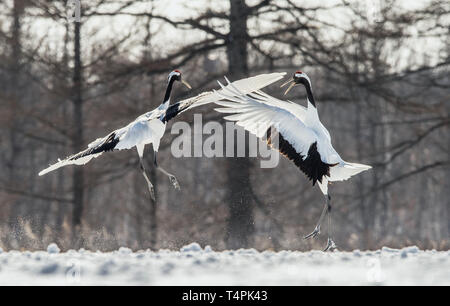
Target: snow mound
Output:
[
  {"x": 125, "y": 251},
  {"x": 193, "y": 265},
  {"x": 193, "y": 247},
  {"x": 53, "y": 249}
]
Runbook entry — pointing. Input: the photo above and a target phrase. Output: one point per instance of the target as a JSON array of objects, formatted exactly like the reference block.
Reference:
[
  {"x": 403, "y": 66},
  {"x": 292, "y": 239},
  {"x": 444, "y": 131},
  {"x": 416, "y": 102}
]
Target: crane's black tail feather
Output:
[{"x": 83, "y": 157}]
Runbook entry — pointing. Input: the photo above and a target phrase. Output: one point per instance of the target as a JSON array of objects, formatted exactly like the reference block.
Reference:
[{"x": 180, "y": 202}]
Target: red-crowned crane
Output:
[
  {"x": 149, "y": 128},
  {"x": 296, "y": 132}
]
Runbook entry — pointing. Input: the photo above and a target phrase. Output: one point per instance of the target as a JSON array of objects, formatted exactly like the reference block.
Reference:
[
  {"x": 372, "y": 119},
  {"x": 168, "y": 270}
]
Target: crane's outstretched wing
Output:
[
  {"x": 245, "y": 86},
  {"x": 139, "y": 131},
  {"x": 95, "y": 149},
  {"x": 280, "y": 123}
]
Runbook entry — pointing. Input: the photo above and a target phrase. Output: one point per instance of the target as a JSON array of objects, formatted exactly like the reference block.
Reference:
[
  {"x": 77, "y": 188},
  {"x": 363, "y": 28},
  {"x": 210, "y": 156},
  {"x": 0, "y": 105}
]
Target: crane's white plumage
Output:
[
  {"x": 295, "y": 131},
  {"x": 149, "y": 128},
  {"x": 245, "y": 86},
  {"x": 299, "y": 126}
]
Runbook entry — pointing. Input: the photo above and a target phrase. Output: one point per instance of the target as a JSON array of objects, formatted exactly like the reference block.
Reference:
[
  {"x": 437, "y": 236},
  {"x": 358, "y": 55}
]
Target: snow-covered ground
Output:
[{"x": 193, "y": 265}]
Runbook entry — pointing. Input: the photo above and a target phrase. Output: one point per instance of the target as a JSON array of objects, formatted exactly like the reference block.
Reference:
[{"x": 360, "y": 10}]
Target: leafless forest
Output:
[{"x": 380, "y": 73}]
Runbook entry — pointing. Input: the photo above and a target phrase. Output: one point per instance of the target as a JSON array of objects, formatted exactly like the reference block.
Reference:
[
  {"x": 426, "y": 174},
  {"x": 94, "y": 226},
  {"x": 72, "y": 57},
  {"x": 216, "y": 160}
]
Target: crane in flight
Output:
[
  {"x": 296, "y": 132},
  {"x": 149, "y": 128}
]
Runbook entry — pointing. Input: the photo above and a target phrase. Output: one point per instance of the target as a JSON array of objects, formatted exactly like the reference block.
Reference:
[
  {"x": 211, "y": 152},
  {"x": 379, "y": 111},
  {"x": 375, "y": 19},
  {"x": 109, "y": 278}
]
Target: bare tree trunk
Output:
[
  {"x": 238, "y": 37},
  {"x": 370, "y": 229},
  {"x": 78, "y": 174},
  {"x": 14, "y": 94},
  {"x": 359, "y": 138},
  {"x": 153, "y": 205},
  {"x": 16, "y": 50},
  {"x": 240, "y": 225},
  {"x": 446, "y": 215},
  {"x": 387, "y": 133},
  {"x": 360, "y": 181},
  {"x": 62, "y": 210}
]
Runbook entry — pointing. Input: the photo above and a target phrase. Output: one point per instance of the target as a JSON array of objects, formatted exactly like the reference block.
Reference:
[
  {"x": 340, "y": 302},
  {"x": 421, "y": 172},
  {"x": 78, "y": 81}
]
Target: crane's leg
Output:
[
  {"x": 330, "y": 244},
  {"x": 317, "y": 229},
  {"x": 151, "y": 189},
  {"x": 172, "y": 177}
]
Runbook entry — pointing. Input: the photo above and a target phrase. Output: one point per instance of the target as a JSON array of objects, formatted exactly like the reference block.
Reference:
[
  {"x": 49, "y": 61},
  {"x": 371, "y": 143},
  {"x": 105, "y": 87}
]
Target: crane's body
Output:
[
  {"x": 150, "y": 127},
  {"x": 294, "y": 130}
]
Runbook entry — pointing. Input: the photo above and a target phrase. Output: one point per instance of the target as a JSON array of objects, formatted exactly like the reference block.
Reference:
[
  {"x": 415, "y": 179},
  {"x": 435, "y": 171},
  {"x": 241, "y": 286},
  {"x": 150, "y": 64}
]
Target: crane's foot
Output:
[
  {"x": 331, "y": 246},
  {"x": 314, "y": 233},
  {"x": 174, "y": 182}
]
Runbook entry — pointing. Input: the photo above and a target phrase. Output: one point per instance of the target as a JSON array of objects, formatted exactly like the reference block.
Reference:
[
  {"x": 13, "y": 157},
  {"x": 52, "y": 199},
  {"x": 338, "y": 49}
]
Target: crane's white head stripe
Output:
[
  {"x": 174, "y": 73},
  {"x": 300, "y": 74}
]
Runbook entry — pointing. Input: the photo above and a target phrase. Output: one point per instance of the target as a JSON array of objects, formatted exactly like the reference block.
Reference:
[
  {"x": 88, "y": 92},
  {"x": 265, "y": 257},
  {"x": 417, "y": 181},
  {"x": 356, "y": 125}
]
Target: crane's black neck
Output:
[
  {"x": 169, "y": 90},
  {"x": 309, "y": 92}
]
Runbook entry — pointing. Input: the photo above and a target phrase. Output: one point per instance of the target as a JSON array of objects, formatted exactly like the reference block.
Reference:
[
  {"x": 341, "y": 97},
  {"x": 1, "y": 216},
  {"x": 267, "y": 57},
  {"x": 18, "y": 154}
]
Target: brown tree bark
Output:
[
  {"x": 16, "y": 51},
  {"x": 13, "y": 91},
  {"x": 153, "y": 205},
  {"x": 240, "y": 225},
  {"x": 77, "y": 139},
  {"x": 447, "y": 181}
]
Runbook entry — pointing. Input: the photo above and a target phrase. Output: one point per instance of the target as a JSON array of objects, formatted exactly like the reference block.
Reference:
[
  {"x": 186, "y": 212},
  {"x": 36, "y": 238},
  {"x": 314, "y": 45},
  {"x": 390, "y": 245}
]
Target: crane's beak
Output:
[
  {"x": 292, "y": 84},
  {"x": 186, "y": 84}
]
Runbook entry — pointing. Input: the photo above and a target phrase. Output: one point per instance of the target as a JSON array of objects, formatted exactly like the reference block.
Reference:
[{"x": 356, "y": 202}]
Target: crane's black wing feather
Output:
[
  {"x": 312, "y": 165},
  {"x": 107, "y": 145}
]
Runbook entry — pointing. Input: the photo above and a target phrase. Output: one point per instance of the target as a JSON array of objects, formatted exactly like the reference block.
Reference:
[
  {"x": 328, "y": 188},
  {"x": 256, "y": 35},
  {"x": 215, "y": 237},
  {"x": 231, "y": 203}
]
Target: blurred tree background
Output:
[{"x": 380, "y": 71}]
